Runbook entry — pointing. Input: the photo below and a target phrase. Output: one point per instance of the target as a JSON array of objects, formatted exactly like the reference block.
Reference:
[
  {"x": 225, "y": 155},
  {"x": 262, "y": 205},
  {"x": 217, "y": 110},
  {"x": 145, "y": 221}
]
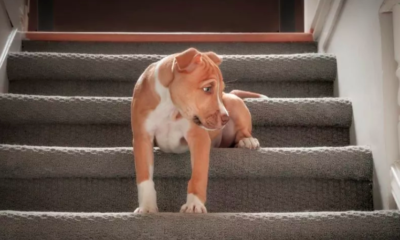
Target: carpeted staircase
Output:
[{"x": 66, "y": 162}]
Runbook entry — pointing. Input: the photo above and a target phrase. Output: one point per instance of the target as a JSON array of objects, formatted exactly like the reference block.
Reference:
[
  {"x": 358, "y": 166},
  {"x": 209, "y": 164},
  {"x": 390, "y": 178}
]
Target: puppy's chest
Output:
[{"x": 169, "y": 133}]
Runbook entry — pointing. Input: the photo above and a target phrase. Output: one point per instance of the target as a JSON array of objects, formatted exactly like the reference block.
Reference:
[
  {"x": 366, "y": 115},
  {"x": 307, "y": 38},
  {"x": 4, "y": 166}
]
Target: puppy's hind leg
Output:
[
  {"x": 241, "y": 117},
  {"x": 245, "y": 94}
]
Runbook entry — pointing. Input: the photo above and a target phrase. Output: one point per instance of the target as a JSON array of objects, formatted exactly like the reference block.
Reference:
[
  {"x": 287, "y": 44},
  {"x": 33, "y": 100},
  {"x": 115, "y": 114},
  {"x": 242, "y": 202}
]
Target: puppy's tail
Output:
[{"x": 246, "y": 94}]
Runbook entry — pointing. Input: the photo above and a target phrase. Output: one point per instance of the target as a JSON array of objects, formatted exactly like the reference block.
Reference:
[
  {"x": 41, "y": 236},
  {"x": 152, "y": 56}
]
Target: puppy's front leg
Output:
[
  {"x": 144, "y": 162},
  {"x": 199, "y": 145}
]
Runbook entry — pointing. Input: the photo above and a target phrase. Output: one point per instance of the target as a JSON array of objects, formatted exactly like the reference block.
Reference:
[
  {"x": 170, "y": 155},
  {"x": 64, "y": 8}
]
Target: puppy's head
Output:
[{"x": 197, "y": 88}]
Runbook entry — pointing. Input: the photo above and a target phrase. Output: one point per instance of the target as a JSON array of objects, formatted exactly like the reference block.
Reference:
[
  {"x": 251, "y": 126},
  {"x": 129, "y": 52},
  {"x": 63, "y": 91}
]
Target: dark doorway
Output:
[{"x": 166, "y": 16}]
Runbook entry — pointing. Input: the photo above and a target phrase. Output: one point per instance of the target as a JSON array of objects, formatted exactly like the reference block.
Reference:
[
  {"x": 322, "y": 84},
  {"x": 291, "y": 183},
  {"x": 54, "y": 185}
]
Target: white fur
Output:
[
  {"x": 222, "y": 108},
  {"x": 147, "y": 197},
  {"x": 250, "y": 143},
  {"x": 167, "y": 131},
  {"x": 193, "y": 205}
]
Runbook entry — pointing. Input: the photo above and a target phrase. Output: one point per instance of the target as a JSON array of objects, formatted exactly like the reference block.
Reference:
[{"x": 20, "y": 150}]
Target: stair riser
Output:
[
  {"x": 224, "y": 195},
  {"x": 167, "y": 48},
  {"x": 125, "y": 89},
  {"x": 98, "y": 135}
]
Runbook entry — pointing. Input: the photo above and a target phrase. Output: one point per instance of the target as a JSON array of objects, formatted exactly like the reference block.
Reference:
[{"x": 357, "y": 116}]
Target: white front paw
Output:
[
  {"x": 147, "y": 198},
  {"x": 249, "y": 143},
  {"x": 146, "y": 209},
  {"x": 193, "y": 205}
]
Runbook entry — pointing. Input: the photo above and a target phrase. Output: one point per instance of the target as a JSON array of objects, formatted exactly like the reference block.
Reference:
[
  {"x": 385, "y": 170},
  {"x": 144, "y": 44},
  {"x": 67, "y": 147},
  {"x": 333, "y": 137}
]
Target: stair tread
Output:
[
  {"x": 383, "y": 224},
  {"x": 167, "y": 47},
  {"x": 16, "y": 108},
  {"x": 353, "y": 162},
  {"x": 249, "y": 68},
  {"x": 56, "y": 87}
]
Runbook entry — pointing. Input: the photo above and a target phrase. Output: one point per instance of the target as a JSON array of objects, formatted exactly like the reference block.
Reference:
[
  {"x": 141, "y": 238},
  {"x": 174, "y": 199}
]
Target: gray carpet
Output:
[
  {"x": 15, "y": 108},
  {"x": 167, "y": 48},
  {"x": 384, "y": 225},
  {"x": 93, "y": 179},
  {"x": 340, "y": 163},
  {"x": 274, "y": 89},
  {"x": 119, "y": 135},
  {"x": 65, "y": 150},
  {"x": 295, "y": 75},
  {"x": 105, "y": 122},
  {"x": 67, "y": 66}
]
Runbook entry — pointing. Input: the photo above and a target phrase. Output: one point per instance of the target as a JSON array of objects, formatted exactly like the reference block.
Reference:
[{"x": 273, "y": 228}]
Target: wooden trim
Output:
[{"x": 168, "y": 37}]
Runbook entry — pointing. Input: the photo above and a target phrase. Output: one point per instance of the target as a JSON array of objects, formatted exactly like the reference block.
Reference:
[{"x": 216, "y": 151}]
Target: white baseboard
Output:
[
  {"x": 320, "y": 17},
  {"x": 13, "y": 44},
  {"x": 332, "y": 17},
  {"x": 395, "y": 174}
]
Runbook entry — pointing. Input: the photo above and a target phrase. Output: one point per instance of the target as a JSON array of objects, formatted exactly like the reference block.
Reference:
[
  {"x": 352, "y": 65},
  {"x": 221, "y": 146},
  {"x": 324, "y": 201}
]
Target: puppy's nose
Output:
[{"x": 224, "y": 119}]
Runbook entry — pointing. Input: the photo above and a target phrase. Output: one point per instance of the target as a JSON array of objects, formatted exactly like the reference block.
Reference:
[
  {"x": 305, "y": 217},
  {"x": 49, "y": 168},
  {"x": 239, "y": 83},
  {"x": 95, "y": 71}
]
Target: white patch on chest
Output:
[{"x": 161, "y": 124}]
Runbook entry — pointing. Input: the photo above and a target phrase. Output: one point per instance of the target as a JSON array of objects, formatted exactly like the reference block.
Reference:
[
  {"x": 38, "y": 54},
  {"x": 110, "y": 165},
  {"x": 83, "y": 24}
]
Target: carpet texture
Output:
[
  {"x": 105, "y": 121},
  {"x": 120, "y": 135},
  {"x": 341, "y": 163},
  {"x": 71, "y": 74},
  {"x": 375, "y": 225},
  {"x": 319, "y": 112},
  {"x": 63, "y": 66},
  {"x": 102, "y": 179},
  {"x": 53, "y": 87},
  {"x": 167, "y": 47},
  {"x": 67, "y": 167}
]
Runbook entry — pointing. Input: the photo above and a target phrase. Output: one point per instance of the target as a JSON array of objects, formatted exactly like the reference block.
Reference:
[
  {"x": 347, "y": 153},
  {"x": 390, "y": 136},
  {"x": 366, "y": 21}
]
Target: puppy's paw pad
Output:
[
  {"x": 141, "y": 210},
  {"x": 249, "y": 143},
  {"x": 193, "y": 205}
]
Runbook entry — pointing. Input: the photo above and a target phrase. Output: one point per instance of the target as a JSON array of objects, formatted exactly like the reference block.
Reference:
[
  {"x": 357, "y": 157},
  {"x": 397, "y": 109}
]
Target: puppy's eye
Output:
[{"x": 207, "y": 89}]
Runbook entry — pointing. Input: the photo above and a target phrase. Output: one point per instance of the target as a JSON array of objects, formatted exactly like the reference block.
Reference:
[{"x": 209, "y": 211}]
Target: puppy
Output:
[{"x": 179, "y": 105}]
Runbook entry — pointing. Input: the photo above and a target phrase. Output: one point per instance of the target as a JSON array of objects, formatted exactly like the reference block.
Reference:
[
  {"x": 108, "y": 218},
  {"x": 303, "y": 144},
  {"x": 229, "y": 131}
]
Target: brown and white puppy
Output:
[{"x": 179, "y": 105}]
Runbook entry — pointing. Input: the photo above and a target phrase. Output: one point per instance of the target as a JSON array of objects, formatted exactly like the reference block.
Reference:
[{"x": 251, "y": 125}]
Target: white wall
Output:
[
  {"x": 5, "y": 30},
  {"x": 309, "y": 10},
  {"x": 363, "y": 44},
  {"x": 12, "y": 18},
  {"x": 17, "y": 12}
]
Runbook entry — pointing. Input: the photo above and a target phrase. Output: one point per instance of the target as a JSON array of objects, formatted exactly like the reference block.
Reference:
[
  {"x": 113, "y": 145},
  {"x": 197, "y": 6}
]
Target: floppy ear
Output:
[
  {"x": 214, "y": 57},
  {"x": 187, "y": 60}
]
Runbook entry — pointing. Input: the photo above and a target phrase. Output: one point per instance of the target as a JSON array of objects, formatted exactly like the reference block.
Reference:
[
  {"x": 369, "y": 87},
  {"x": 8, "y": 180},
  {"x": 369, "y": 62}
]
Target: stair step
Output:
[
  {"x": 168, "y": 47},
  {"x": 71, "y": 66},
  {"x": 270, "y": 179},
  {"x": 105, "y": 121},
  {"x": 275, "y": 89},
  {"x": 358, "y": 225},
  {"x": 298, "y": 75}
]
